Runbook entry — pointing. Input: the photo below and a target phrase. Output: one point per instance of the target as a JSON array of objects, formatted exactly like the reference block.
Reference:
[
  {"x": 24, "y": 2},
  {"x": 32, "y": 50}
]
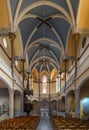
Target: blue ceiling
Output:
[
  {"x": 26, "y": 28},
  {"x": 44, "y": 11},
  {"x": 62, "y": 28},
  {"x": 75, "y": 6},
  {"x": 44, "y": 24},
  {"x": 44, "y": 31}
]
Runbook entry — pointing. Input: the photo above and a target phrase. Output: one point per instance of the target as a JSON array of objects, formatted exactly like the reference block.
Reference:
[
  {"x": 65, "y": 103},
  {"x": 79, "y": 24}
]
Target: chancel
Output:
[{"x": 44, "y": 64}]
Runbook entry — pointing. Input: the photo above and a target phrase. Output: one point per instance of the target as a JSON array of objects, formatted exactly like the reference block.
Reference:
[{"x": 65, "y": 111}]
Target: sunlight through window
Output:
[
  {"x": 5, "y": 42},
  {"x": 44, "y": 84}
]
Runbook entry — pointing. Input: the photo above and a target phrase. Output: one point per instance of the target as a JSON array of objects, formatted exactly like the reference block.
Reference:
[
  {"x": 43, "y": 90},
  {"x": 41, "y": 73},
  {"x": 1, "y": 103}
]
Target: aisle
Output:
[{"x": 44, "y": 124}]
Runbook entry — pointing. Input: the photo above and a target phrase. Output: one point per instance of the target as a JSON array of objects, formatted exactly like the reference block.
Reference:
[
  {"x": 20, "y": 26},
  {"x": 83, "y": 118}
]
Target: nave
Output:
[
  {"x": 44, "y": 64},
  {"x": 44, "y": 124}
]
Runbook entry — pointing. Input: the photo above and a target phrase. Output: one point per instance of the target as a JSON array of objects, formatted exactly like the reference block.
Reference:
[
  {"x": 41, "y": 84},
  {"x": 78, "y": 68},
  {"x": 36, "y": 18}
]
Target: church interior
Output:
[{"x": 44, "y": 64}]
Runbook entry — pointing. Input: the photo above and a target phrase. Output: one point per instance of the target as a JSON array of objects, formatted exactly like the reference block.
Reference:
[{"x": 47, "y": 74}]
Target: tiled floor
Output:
[{"x": 44, "y": 124}]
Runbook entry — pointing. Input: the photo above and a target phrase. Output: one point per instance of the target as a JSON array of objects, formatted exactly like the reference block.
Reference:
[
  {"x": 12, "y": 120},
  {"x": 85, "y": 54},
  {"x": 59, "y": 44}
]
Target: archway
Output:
[
  {"x": 53, "y": 107},
  {"x": 59, "y": 107},
  {"x": 17, "y": 103},
  {"x": 71, "y": 109},
  {"x": 4, "y": 100},
  {"x": 35, "y": 107},
  {"x": 63, "y": 106},
  {"x": 84, "y": 98}
]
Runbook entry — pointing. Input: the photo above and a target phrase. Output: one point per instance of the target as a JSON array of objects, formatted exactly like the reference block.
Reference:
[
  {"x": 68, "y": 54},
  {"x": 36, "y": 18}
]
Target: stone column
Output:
[
  {"x": 77, "y": 103},
  {"x": 11, "y": 103},
  {"x": 49, "y": 88},
  {"x": 39, "y": 85},
  {"x": 66, "y": 104},
  {"x": 60, "y": 81},
  {"x": 27, "y": 88},
  {"x": 39, "y": 93},
  {"x": 23, "y": 61},
  {"x": 22, "y": 103},
  {"x": 60, "y": 105},
  {"x": 65, "y": 61},
  {"x": 12, "y": 37},
  {"x": 57, "y": 105},
  {"x": 76, "y": 38},
  {"x": 30, "y": 82},
  {"x": 57, "y": 80}
]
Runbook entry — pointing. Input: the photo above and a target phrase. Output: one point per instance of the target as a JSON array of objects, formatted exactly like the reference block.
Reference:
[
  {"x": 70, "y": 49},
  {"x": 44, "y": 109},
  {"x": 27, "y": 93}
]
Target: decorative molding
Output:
[
  {"x": 45, "y": 57},
  {"x": 6, "y": 69},
  {"x": 83, "y": 31},
  {"x": 71, "y": 11},
  {"x": 45, "y": 39},
  {"x": 40, "y": 3}
]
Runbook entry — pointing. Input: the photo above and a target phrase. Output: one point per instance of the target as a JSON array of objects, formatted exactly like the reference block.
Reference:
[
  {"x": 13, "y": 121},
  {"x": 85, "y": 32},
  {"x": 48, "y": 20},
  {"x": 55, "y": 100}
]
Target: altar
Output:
[{"x": 44, "y": 112}]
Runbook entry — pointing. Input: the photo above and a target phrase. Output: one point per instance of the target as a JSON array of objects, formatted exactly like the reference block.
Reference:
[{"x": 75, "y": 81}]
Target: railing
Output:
[
  {"x": 83, "y": 65},
  {"x": 54, "y": 95},
  {"x": 70, "y": 81},
  {"x": 44, "y": 96},
  {"x": 83, "y": 56},
  {"x": 5, "y": 65},
  {"x": 5, "y": 56}
]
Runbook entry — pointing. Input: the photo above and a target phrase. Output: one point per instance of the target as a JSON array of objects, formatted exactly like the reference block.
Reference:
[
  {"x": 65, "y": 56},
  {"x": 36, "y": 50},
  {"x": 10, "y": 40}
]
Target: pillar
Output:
[
  {"x": 60, "y": 105},
  {"x": 65, "y": 61},
  {"x": 66, "y": 104},
  {"x": 11, "y": 103},
  {"x": 39, "y": 93},
  {"x": 77, "y": 103},
  {"x": 49, "y": 88},
  {"x": 28, "y": 82},
  {"x": 60, "y": 81},
  {"x": 76, "y": 38},
  {"x": 23, "y": 61},
  {"x": 57, "y": 105},
  {"x": 12, "y": 37},
  {"x": 22, "y": 103},
  {"x": 39, "y": 85}
]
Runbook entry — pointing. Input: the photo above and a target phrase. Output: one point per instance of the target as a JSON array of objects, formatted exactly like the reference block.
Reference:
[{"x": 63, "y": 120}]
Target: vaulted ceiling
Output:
[{"x": 44, "y": 27}]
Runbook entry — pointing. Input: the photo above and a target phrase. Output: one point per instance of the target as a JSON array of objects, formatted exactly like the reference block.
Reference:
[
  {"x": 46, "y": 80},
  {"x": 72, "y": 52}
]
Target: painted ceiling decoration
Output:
[{"x": 44, "y": 27}]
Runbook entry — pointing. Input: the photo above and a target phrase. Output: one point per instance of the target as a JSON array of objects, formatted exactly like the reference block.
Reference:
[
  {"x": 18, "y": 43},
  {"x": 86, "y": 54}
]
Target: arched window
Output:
[
  {"x": 5, "y": 42},
  {"x": 44, "y": 84},
  {"x": 16, "y": 63},
  {"x": 44, "y": 80}
]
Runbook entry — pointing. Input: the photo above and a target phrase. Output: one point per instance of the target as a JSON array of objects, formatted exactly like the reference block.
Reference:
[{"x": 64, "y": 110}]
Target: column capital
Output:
[
  {"x": 49, "y": 78},
  {"x": 77, "y": 91},
  {"x": 77, "y": 103},
  {"x": 65, "y": 57},
  {"x": 11, "y": 91},
  {"x": 76, "y": 37},
  {"x": 23, "y": 60},
  {"x": 12, "y": 36}
]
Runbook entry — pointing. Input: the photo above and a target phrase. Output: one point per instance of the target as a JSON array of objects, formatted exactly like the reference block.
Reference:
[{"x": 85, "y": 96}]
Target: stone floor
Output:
[{"x": 44, "y": 124}]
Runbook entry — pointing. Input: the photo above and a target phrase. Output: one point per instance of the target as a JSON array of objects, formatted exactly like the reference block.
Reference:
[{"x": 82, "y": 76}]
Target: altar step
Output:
[{"x": 44, "y": 124}]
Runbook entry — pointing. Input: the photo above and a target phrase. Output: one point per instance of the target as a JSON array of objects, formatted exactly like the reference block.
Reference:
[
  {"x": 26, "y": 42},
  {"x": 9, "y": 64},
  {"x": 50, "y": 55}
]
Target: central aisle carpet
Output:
[{"x": 44, "y": 124}]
